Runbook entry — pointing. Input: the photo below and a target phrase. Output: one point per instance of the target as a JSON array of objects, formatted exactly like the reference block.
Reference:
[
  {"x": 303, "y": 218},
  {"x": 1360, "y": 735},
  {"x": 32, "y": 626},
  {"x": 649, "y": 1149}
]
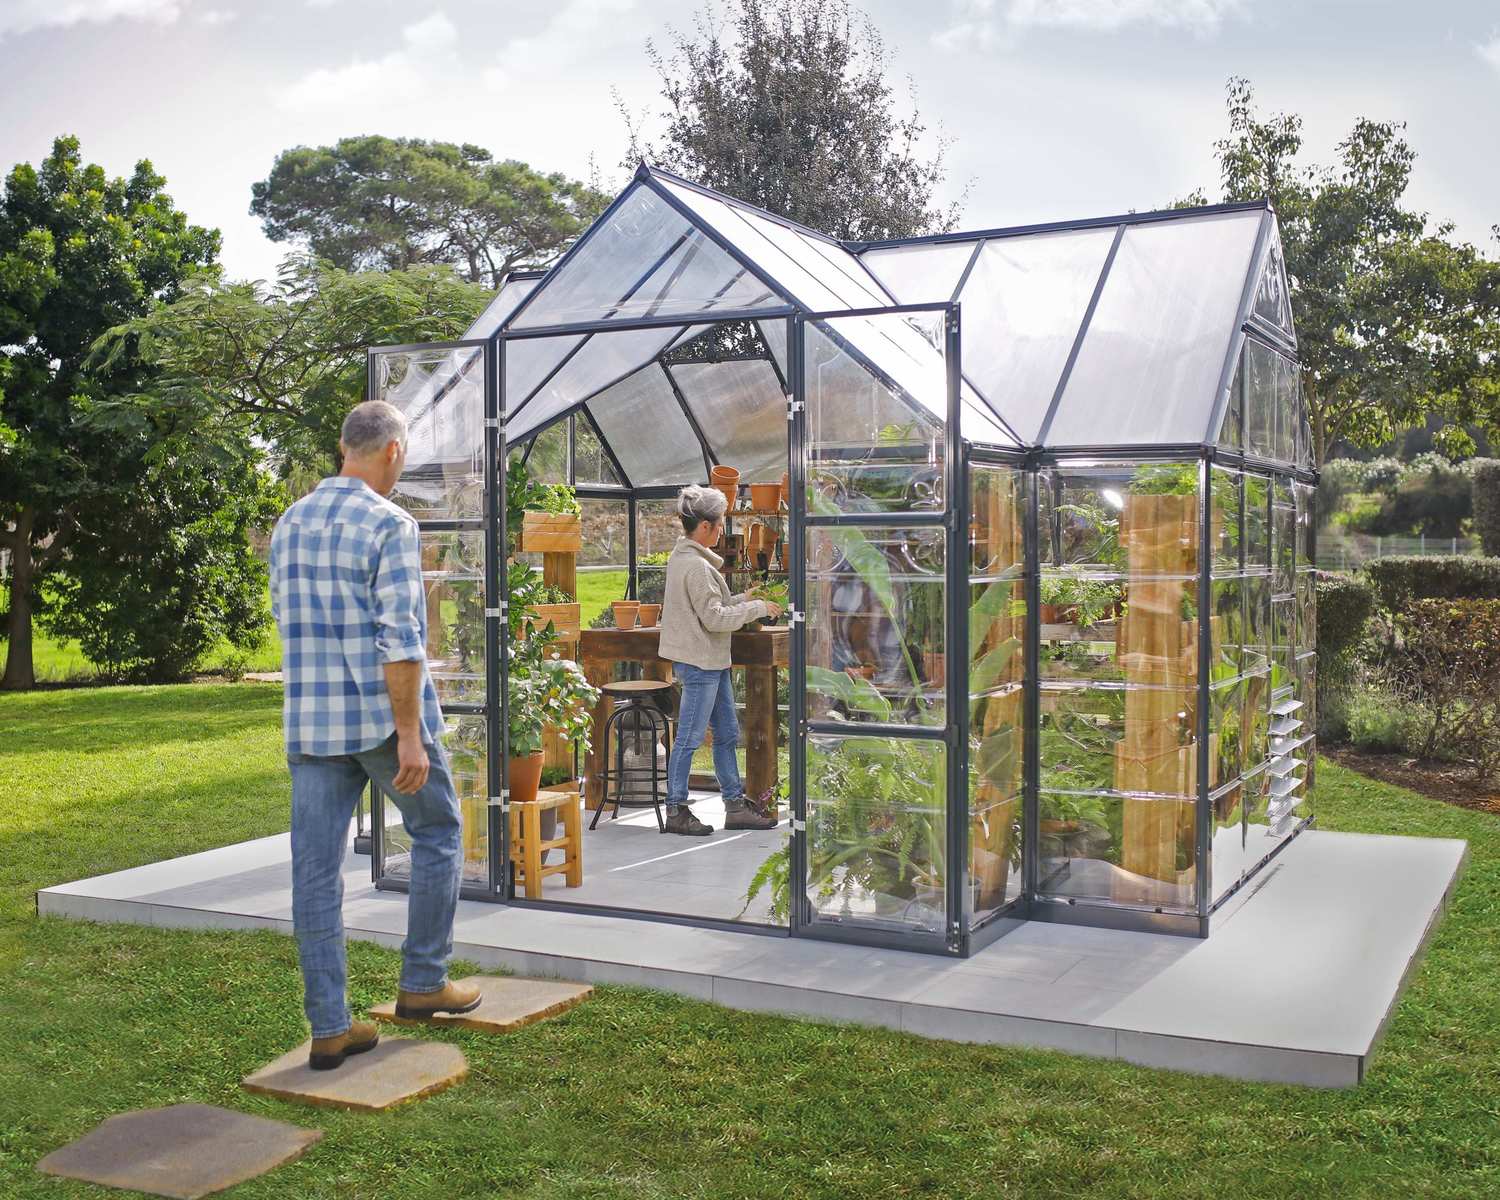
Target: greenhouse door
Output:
[{"x": 877, "y": 702}]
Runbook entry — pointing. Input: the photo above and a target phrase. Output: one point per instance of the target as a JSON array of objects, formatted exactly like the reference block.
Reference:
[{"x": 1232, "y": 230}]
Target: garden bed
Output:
[{"x": 1452, "y": 783}]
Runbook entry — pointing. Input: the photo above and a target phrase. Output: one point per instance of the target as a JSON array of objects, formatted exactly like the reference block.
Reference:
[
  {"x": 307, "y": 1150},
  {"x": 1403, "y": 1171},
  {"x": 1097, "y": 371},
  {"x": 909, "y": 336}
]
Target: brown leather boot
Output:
[
  {"x": 454, "y": 998},
  {"x": 330, "y": 1052}
]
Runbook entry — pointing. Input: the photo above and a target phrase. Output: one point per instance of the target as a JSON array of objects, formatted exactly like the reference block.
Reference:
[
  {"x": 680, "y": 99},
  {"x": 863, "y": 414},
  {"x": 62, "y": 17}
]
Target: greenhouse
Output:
[{"x": 1041, "y": 498}]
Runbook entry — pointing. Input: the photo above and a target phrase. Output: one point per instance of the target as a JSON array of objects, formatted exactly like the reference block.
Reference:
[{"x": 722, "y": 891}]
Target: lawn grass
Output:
[
  {"x": 595, "y": 591},
  {"x": 642, "y": 1095},
  {"x": 58, "y": 660}
]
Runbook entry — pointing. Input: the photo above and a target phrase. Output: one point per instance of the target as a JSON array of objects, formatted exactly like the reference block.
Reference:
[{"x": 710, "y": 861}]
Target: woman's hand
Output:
[{"x": 773, "y": 610}]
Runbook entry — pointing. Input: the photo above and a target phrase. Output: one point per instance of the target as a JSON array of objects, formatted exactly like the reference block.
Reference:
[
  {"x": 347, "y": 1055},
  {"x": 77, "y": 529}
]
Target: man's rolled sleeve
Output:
[{"x": 398, "y": 597}]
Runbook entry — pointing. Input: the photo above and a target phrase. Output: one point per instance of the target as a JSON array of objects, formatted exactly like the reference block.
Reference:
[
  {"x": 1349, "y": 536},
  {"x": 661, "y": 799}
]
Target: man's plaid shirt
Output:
[{"x": 346, "y": 588}]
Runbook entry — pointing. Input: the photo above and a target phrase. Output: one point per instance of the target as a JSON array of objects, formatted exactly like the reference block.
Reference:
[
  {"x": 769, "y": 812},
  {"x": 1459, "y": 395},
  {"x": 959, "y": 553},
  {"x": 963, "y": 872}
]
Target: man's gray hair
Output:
[
  {"x": 371, "y": 427},
  {"x": 696, "y": 504}
]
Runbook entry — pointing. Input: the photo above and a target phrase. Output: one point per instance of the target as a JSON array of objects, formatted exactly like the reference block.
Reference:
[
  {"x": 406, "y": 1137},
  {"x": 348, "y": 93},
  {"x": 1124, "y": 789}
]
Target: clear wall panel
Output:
[
  {"x": 877, "y": 832},
  {"x": 1158, "y": 339},
  {"x": 441, "y": 392},
  {"x": 1023, "y": 305},
  {"x": 591, "y": 465},
  {"x": 876, "y": 628},
  {"x": 466, "y": 746},
  {"x": 453, "y": 583},
  {"x": 1273, "y": 300},
  {"x": 1119, "y": 731},
  {"x": 644, "y": 259},
  {"x": 741, "y": 409},
  {"x": 870, "y": 449},
  {"x": 927, "y": 273},
  {"x": 546, "y": 457},
  {"x": 506, "y": 301},
  {"x": 997, "y": 632}
]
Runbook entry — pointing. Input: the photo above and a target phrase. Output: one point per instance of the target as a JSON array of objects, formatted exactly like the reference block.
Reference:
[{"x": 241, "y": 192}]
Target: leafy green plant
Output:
[{"x": 546, "y": 691}]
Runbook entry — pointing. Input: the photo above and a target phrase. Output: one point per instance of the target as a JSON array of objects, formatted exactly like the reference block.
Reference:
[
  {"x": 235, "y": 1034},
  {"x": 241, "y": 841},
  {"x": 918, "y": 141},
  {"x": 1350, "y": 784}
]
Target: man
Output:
[{"x": 346, "y": 588}]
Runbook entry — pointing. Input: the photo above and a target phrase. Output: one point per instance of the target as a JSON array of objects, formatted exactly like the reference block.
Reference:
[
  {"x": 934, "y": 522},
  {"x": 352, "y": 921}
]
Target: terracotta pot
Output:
[
  {"x": 765, "y": 497},
  {"x": 625, "y": 612},
  {"x": 722, "y": 474},
  {"x": 731, "y": 493},
  {"x": 525, "y": 778},
  {"x": 649, "y": 615},
  {"x": 786, "y": 489}
]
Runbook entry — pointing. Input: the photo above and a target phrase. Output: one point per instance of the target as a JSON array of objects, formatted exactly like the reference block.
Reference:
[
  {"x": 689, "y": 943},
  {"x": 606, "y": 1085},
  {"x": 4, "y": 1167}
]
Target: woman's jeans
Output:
[
  {"x": 324, "y": 794},
  {"x": 707, "y": 701}
]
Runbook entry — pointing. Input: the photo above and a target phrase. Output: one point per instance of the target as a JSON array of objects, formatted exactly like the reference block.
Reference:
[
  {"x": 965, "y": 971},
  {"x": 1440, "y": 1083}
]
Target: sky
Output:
[{"x": 1053, "y": 109}]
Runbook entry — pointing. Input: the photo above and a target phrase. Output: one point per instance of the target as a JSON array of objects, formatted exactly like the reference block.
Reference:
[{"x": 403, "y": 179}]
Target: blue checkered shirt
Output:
[{"x": 346, "y": 589}]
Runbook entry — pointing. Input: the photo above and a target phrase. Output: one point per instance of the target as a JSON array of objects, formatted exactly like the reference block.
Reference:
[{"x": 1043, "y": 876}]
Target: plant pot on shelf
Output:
[
  {"x": 720, "y": 474},
  {"x": 543, "y": 533},
  {"x": 626, "y": 612},
  {"x": 649, "y": 615},
  {"x": 765, "y": 497},
  {"x": 525, "y": 778},
  {"x": 731, "y": 493},
  {"x": 786, "y": 489},
  {"x": 1050, "y": 615}
]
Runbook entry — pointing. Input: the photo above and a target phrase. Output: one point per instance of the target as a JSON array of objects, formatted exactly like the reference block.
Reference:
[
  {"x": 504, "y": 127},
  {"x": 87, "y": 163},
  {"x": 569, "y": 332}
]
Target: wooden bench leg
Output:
[
  {"x": 532, "y": 823},
  {"x": 572, "y": 816}
]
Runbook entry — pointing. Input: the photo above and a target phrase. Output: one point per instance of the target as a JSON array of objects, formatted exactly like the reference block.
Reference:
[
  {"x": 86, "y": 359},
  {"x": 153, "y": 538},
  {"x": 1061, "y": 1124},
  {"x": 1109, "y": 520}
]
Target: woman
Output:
[{"x": 698, "y": 614}]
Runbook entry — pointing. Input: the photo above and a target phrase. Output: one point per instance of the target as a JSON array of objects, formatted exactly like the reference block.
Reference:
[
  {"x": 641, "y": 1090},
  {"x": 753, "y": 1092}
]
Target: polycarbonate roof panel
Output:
[
  {"x": 773, "y": 333},
  {"x": 642, "y": 260},
  {"x": 742, "y": 412},
  {"x": 925, "y": 273},
  {"x": 643, "y": 424},
  {"x": 506, "y": 301},
  {"x": 812, "y": 271},
  {"x": 1149, "y": 367},
  {"x": 1022, "y": 308}
]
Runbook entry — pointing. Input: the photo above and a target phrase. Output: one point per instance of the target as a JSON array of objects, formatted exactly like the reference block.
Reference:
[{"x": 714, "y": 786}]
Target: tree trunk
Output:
[{"x": 20, "y": 671}]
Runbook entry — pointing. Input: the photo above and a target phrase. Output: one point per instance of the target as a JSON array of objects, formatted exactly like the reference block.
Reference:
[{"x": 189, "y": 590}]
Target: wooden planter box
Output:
[
  {"x": 567, "y": 619},
  {"x": 542, "y": 533}
]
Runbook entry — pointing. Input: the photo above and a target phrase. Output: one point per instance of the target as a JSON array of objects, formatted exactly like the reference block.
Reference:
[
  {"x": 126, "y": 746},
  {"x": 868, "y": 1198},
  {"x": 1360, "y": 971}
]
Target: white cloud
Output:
[
  {"x": 398, "y": 75},
  {"x": 1490, "y": 51},
  {"x": 985, "y": 24},
  {"x": 216, "y": 16},
  {"x": 23, "y": 16},
  {"x": 579, "y": 27}
]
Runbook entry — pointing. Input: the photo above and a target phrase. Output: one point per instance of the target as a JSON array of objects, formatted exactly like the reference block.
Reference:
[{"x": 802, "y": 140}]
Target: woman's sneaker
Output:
[
  {"x": 681, "y": 820},
  {"x": 740, "y": 814}
]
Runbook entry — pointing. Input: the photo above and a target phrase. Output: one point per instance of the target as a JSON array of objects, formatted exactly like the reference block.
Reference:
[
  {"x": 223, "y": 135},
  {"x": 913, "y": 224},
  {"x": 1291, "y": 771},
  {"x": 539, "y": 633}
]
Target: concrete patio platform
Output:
[{"x": 1294, "y": 985}]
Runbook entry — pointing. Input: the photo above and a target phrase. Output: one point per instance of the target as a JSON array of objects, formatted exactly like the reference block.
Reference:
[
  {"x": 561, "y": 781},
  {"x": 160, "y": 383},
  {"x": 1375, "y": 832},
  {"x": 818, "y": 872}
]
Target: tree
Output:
[
  {"x": 393, "y": 203},
  {"x": 79, "y": 252},
  {"x": 790, "y": 109},
  {"x": 287, "y": 361},
  {"x": 150, "y": 588},
  {"x": 1395, "y": 318}
]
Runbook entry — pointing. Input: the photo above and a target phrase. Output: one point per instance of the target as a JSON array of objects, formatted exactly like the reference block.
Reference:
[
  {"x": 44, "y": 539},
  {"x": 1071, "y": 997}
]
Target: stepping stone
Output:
[
  {"x": 397, "y": 1070},
  {"x": 185, "y": 1151},
  {"x": 507, "y": 1003}
]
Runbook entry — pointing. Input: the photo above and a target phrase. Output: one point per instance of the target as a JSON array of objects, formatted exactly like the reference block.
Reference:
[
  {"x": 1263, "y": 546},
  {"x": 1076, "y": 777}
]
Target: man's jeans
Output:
[
  {"x": 707, "y": 700},
  {"x": 324, "y": 793}
]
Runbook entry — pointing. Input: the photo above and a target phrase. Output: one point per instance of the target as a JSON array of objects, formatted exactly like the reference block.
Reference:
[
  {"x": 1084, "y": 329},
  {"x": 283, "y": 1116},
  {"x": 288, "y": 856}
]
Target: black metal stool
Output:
[{"x": 637, "y": 716}]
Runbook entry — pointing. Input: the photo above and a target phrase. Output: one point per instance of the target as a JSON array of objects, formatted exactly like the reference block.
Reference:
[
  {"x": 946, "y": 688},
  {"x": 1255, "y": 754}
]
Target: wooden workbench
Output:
[{"x": 758, "y": 652}]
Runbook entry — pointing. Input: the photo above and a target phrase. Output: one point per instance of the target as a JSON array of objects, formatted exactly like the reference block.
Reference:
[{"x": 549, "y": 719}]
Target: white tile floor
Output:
[{"x": 1294, "y": 984}]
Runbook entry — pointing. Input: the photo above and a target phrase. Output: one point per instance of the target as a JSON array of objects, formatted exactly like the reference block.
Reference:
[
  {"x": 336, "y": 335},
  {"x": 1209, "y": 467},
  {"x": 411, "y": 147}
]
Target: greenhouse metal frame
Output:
[{"x": 1109, "y": 409}]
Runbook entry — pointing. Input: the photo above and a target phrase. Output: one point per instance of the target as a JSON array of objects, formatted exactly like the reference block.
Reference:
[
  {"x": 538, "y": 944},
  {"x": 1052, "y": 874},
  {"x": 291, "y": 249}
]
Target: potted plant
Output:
[
  {"x": 541, "y": 517},
  {"x": 544, "y": 691}
]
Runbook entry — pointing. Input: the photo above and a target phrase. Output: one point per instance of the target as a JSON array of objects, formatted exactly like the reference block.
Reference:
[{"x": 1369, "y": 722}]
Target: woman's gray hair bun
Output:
[{"x": 696, "y": 504}]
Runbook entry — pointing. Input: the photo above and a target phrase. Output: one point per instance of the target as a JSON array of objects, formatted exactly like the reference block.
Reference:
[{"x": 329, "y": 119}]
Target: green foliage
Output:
[
  {"x": 1344, "y": 606},
  {"x": 1400, "y": 579},
  {"x": 79, "y": 253},
  {"x": 1485, "y": 494},
  {"x": 789, "y": 108},
  {"x": 1395, "y": 320},
  {"x": 395, "y": 203},
  {"x": 1445, "y": 659},
  {"x": 288, "y": 359},
  {"x": 150, "y": 590},
  {"x": 1377, "y": 721}
]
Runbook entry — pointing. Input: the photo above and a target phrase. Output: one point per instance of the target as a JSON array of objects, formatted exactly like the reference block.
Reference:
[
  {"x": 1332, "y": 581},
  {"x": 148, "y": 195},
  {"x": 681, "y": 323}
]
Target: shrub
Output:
[
  {"x": 1484, "y": 483},
  {"x": 1380, "y": 722},
  {"x": 1345, "y": 603},
  {"x": 1404, "y": 578},
  {"x": 1445, "y": 659}
]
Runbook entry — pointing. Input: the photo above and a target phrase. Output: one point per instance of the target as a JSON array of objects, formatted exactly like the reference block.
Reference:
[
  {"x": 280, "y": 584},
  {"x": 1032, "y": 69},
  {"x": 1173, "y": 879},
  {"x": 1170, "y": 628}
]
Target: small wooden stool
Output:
[{"x": 527, "y": 845}]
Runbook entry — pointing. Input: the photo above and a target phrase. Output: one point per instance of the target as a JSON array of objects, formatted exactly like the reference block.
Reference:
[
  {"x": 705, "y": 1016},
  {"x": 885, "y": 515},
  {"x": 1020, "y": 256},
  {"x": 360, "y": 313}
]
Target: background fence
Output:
[{"x": 1345, "y": 551}]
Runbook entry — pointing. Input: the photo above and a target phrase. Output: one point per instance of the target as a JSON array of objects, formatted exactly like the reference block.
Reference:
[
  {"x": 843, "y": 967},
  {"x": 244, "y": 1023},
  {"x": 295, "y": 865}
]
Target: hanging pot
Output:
[{"x": 525, "y": 778}]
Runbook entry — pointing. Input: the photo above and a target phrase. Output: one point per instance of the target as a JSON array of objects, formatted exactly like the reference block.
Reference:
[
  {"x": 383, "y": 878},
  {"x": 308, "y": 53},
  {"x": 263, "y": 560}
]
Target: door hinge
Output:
[
  {"x": 498, "y": 612},
  {"x": 494, "y": 423},
  {"x": 798, "y": 826},
  {"x": 502, "y": 802},
  {"x": 793, "y": 407},
  {"x": 796, "y": 618}
]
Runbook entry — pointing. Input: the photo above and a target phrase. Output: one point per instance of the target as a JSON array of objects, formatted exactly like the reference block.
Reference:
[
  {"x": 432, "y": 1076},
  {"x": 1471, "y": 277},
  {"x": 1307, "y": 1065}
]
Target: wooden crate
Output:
[{"x": 551, "y": 532}]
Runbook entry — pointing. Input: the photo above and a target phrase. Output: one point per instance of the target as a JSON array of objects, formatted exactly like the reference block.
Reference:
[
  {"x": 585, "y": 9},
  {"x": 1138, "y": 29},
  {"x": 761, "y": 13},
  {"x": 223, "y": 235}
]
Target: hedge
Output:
[
  {"x": 1485, "y": 481},
  {"x": 1400, "y": 580}
]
